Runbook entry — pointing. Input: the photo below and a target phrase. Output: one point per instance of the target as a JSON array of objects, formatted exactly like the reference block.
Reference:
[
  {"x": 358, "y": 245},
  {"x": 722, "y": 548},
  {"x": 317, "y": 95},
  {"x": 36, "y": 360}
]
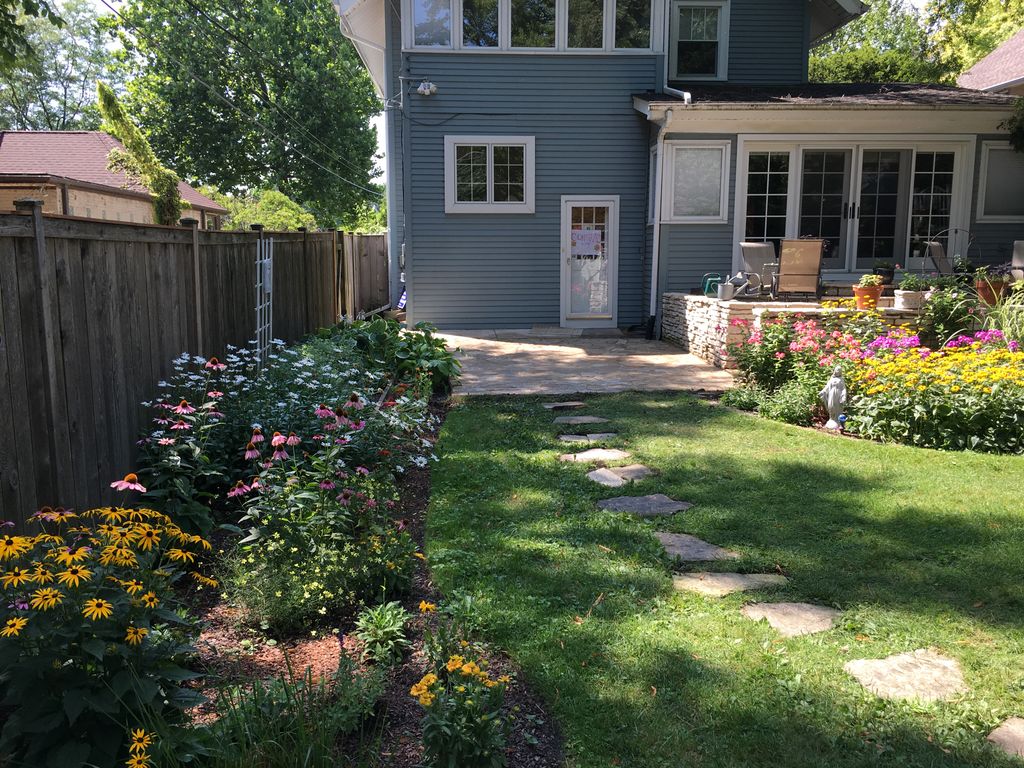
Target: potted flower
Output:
[
  {"x": 910, "y": 294},
  {"x": 868, "y": 291},
  {"x": 886, "y": 270},
  {"x": 990, "y": 283}
]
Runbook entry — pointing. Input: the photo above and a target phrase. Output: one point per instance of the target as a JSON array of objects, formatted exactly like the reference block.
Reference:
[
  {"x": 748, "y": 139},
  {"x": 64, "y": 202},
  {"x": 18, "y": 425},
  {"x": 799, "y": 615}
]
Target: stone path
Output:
[
  {"x": 595, "y": 455},
  {"x": 575, "y": 420},
  {"x": 616, "y": 477},
  {"x": 924, "y": 675},
  {"x": 655, "y": 505},
  {"x": 793, "y": 619},
  {"x": 1009, "y": 736},
  {"x": 566, "y": 406},
  {"x": 690, "y": 549},
  {"x": 594, "y": 437},
  {"x": 722, "y": 584}
]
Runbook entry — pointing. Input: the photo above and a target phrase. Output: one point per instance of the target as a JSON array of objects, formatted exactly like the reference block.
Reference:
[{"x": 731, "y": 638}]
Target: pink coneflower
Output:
[
  {"x": 323, "y": 412},
  {"x": 213, "y": 394},
  {"x": 280, "y": 454},
  {"x": 354, "y": 402},
  {"x": 254, "y": 484},
  {"x": 184, "y": 408},
  {"x": 371, "y": 503},
  {"x": 293, "y": 439},
  {"x": 181, "y": 425},
  {"x": 251, "y": 452},
  {"x": 162, "y": 422},
  {"x": 357, "y": 425},
  {"x": 215, "y": 365},
  {"x": 240, "y": 489},
  {"x": 362, "y": 470},
  {"x": 267, "y": 464},
  {"x": 345, "y": 497},
  {"x": 341, "y": 441},
  {"x": 330, "y": 426},
  {"x": 327, "y": 485},
  {"x": 166, "y": 441},
  {"x": 164, "y": 405},
  {"x": 257, "y": 435},
  {"x": 278, "y": 440},
  {"x": 129, "y": 483}
]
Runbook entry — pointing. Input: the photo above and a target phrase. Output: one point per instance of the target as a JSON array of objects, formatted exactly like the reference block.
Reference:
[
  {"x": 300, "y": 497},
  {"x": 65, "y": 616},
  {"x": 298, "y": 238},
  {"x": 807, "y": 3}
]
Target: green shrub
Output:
[
  {"x": 948, "y": 313},
  {"x": 410, "y": 352},
  {"x": 382, "y": 630},
  {"x": 746, "y": 398},
  {"x": 794, "y": 403}
]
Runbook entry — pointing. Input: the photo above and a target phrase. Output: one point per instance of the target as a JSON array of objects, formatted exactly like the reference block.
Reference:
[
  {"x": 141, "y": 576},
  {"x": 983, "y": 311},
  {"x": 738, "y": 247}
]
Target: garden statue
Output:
[{"x": 834, "y": 397}]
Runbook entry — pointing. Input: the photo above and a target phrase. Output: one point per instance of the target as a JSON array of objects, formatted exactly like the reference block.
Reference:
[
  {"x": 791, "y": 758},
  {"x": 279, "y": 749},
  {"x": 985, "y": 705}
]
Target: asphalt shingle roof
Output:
[{"x": 1004, "y": 65}]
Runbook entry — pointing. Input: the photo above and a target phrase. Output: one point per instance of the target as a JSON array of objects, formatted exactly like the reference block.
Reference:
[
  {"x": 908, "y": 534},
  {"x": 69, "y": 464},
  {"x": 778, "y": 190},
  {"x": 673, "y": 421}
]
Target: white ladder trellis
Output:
[{"x": 264, "y": 295}]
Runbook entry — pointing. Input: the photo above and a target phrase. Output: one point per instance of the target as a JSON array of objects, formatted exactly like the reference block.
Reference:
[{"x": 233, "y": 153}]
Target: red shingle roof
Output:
[
  {"x": 77, "y": 155},
  {"x": 1003, "y": 66}
]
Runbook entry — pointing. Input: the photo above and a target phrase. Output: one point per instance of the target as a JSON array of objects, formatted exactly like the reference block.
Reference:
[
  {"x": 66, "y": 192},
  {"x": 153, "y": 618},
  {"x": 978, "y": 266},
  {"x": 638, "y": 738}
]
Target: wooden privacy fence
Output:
[
  {"x": 364, "y": 274},
  {"x": 93, "y": 313}
]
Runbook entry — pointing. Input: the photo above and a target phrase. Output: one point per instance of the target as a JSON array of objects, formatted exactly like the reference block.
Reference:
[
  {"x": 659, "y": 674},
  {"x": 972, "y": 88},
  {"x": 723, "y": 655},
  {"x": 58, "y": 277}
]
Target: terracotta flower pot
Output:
[
  {"x": 989, "y": 291},
  {"x": 867, "y": 295}
]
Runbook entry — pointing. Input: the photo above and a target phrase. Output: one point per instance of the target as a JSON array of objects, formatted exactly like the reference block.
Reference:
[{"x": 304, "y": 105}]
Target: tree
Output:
[
  {"x": 254, "y": 94},
  {"x": 889, "y": 43},
  {"x": 137, "y": 159},
  {"x": 14, "y": 43},
  {"x": 273, "y": 209},
  {"x": 965, "y": 31},
  {"x": 53, "y": 88}
]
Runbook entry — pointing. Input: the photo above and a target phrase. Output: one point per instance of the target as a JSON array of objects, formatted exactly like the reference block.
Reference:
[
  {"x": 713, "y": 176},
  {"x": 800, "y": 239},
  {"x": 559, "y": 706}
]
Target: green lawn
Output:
[{"x": 919, "y": 549}]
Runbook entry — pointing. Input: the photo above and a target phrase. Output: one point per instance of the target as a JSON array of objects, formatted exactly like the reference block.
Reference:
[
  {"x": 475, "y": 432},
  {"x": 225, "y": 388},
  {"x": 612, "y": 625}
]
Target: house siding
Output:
[
  {"x": 504, "y": 270},
  {"x": 393, "y": 142},
  {"x": 993, "y": 243}
]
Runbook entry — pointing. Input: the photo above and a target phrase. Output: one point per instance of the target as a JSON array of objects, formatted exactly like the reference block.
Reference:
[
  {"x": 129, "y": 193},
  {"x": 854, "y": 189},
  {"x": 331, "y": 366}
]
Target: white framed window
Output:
[
  {"x": 696, "y": 186},
  {"x": 431, "y": 23},
  {"x": 489, "y": 174},
  {"x": 698, "y": 47},
  {"x": 1001, "y": 188}
]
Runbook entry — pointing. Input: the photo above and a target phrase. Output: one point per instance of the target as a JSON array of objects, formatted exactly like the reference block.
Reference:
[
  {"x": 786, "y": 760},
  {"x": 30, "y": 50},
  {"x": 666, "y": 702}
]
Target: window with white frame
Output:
[
  {"x": 697, "y": 182},
  {"x": 489, "y": 174},
  {"x": 699, "y": 40},
  {"x": 1001, "y": 190},
  {"x": 623, "y": 26}
]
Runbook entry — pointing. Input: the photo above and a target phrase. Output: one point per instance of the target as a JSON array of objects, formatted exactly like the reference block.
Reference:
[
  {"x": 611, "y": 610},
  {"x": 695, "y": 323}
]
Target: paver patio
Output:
[{"x": 550, "y": 362}]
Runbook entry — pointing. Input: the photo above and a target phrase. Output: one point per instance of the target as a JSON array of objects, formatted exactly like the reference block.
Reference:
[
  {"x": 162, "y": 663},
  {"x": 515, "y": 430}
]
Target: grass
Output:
[{"x": 917, "y": 548}]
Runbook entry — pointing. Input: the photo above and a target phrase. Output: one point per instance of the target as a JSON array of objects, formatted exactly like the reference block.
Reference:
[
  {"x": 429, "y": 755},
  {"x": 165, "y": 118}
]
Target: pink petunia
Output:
[{"x": 129, "y": 483}]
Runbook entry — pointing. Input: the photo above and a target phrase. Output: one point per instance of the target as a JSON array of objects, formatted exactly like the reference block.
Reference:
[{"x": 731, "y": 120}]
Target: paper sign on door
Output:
[{"x": 585, "y": 242}]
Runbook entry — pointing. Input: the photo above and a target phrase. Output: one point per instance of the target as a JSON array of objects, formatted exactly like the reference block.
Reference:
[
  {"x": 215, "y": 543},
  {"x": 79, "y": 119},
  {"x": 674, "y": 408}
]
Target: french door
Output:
[{"x": 590, "y": 240}]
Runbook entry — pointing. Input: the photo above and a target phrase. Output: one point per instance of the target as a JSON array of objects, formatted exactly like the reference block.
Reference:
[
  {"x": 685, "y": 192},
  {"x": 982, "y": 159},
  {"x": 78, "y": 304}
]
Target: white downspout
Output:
[{"x": 659, "y": 154}]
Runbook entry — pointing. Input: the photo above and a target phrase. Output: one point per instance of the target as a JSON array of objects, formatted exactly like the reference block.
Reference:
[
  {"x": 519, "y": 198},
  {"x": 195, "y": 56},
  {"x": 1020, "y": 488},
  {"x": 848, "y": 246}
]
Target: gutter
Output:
[{"x": 659, "y": 154}]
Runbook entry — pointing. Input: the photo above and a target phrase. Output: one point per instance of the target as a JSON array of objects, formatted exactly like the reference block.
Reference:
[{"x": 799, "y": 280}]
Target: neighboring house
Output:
[
  {"x": 545, "y": 157},
  {"x": 68, "y": 171},
  {"x": 1002, "y": 71}
]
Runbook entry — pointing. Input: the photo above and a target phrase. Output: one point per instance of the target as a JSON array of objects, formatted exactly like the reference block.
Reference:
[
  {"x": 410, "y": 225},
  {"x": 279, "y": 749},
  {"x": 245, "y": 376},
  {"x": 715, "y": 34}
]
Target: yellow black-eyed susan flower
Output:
[
  {"x": 97, "y": 608},
  {"x": 46, "y": 598},
  {"x": 13, "y": 627},
  {"x": 134, "y": 635},
  {"x": 74, "y": 575}
]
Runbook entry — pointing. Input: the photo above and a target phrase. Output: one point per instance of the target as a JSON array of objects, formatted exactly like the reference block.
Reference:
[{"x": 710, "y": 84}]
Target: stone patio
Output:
[{"x": 558, "y": 361}]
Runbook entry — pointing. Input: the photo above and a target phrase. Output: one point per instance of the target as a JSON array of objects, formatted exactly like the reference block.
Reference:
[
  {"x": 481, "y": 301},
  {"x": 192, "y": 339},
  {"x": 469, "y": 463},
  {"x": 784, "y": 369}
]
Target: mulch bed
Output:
[{"x": 230, "y": 651}]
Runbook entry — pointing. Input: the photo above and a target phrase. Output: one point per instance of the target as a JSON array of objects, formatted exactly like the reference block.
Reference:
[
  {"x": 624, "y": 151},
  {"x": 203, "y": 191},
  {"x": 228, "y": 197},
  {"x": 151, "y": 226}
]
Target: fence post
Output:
[
  {"x": 197, "y": 283},
  {"x": 351, "y": 282}
]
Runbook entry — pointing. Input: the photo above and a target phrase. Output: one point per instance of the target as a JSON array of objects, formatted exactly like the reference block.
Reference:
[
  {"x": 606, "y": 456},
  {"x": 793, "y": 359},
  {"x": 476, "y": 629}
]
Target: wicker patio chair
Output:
[{"x": 799, "y": 269}]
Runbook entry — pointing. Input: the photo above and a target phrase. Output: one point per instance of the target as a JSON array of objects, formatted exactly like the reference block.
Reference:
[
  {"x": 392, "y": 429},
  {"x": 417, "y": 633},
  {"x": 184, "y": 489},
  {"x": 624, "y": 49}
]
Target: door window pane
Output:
[
  {"x": 588, "y": 262},
  {"x": 767, "y": 196},
  {"x": 471, "y": 173},
  {"x": 533, "y": 23},
  {"x": 1004, "y": 183},
  {"x": 697, "y": 40},
  {"x": 509, "y": 174},
  {"x": 697, "y": 182},
  {"x": 823, "y": 198},
  {"x": 480, "y": 23},
  {"x": 930, "y": 203},
  {"x": 878, "y": 233},
  {"x": 633, "y": 24},
  {"x": 432, "y": 21},
  {"x": 586, "y": 23}
]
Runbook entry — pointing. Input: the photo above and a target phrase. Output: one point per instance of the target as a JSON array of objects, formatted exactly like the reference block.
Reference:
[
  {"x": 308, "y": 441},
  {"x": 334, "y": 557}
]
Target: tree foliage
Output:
[
  {"x": 269, "y": 207},
  {"x": 198, "y": 66},
  {"x": 965, "y": 31},
  {"x": 889, "y": 43},
  {"x": 14, "y": 42},
  {"x": 53, "y": 88},
  {"x": 137, "y": 159}
]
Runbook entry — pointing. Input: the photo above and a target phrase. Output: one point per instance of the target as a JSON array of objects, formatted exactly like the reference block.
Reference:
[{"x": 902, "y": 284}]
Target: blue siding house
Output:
[{"x": 565, "y": 162}]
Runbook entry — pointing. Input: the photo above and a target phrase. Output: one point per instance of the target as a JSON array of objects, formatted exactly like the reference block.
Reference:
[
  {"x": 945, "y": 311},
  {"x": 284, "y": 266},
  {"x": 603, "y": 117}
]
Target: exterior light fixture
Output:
[{"x": 426, "y": 88}]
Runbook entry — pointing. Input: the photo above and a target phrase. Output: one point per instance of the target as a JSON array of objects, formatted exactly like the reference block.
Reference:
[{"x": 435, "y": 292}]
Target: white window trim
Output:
[
  {"x": 982, "y": 218},
  {"x": 505, "y": 32},
  {"x": 672, "y": 31},
  {"x": 451, "y": 205},
  {"x": 668, "y": 182}
]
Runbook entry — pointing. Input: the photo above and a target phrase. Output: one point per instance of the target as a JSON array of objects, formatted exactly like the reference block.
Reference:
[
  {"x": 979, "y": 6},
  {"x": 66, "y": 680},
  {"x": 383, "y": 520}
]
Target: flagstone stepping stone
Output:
[
  {"x": 655, "y": 505},
  {"x": 683, "y": 546},
  {"x": 722, "y": 584},
  {"x": 580, "y": 420},
  {"x": 596, "y": 455},
  {"x": 1009, "y": 737},
  {"x": 596, "y": 437},
  {"x": 564, "y": 406},
  {"x": 923, "y": 674},
  {"x": 793, "y": 619},
  {"x": 616, "y": 477}
]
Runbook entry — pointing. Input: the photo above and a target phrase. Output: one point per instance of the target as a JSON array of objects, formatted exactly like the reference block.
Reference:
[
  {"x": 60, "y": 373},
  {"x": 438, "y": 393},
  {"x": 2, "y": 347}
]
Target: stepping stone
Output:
[
  {"x": 616, "y": 477},
  {"x": 596, "y": 455},
  {"x": 722, "y": 584},
  {"x": 922, "y": 674},
  {"x": 580, "y": 420},
  {"x": 596, "y": 437},
  {"x": 683, "y": 546},
  {"x": 564, "y": 406},
  {"x": 793, "y": 619},
  {"x": 655, "y": 505},
  {"x": 1009, "y": 737}
]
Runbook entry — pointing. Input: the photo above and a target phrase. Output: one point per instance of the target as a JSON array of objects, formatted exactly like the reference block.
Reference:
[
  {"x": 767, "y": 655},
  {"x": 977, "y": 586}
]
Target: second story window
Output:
[
  {"x": 533, "y": 23},
  {"x": 699, "y": 44},
  {"x": 432, "y": 23}
]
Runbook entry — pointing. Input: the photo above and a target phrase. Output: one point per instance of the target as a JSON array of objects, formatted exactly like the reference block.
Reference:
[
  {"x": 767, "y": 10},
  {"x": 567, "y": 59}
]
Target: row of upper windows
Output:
[{"x": 698, "y": 30}]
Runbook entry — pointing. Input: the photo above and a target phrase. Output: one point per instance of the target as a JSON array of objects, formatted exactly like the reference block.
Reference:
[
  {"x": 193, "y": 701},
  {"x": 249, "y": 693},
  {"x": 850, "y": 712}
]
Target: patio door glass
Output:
[
  {"x": 882, "y": 213},
  {"x": 824, "y": 201},
  {"x": 588, "y": 245},
  {"x": 932, "y": 200}
]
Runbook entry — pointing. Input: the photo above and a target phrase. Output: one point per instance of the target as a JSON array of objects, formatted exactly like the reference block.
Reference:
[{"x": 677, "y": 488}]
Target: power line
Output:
[{"x": 287, "y": 145}]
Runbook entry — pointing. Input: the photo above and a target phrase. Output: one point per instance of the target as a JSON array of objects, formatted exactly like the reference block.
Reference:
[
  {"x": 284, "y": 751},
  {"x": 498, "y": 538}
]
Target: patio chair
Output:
[
  {"x": 760, "y": 259},
  {"x": 937, "y": 253},
  {"x": 799, "y": 269},
  {"x": 1017, "y": 261}
]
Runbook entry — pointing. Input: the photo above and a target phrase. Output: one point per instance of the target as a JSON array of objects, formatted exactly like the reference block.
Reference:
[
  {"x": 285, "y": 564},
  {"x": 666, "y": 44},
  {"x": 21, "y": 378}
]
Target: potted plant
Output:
[
  {"x": 868, "y": 291},
  {"x": 990, "y": 283},
  {"x": 886, "y": 270},
  {"x": 910, "y": 294}
]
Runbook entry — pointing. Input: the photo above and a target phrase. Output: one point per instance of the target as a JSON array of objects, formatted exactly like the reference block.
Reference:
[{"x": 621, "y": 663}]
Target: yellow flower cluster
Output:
[
  {"x": 138, "y": 752},
  {"x": 960, "y": 369},
  {"x": 421, "y": 691}
]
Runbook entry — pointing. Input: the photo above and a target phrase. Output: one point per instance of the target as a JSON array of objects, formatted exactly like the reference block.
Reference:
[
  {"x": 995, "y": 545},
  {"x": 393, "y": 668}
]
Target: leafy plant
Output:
[
  {"x": 948, "y": 313},
  {"x": 382, "y": 630},
  {"x": 867, "y": 281},
  {"x": 452, "y": 630},
  {"x": 794, "y": 403},
  {"x": 1007, "y": 315},
  {"x": 746, "y": 398},
  {"x": 410, "y": 352},
  {"x": 911, "y": 281},
  {"x": 1015, "y": 125}
]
